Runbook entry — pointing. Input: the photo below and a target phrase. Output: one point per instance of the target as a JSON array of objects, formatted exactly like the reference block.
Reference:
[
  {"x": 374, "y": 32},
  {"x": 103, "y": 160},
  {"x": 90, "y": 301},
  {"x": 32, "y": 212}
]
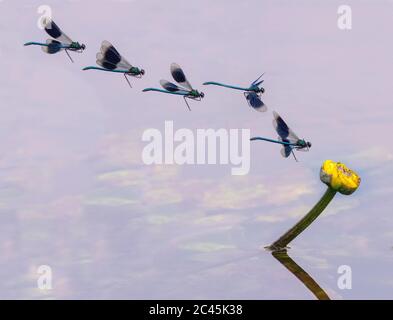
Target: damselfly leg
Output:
[
  {"x": 293, "y": 153},
  {"x": 185, "y": 100},
  {"x": 66, "y": 51},
  {"x": 125, "y": 76}
]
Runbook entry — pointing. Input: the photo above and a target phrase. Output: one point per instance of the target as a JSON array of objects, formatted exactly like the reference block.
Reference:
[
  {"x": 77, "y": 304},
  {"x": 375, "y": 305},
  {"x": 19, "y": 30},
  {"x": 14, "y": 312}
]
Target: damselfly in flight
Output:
[
  {"x": 59, "y": 42},
  {"x": 185, "y": 89},
  {"x": 287, "y": 138},
  {"x": 252, "y": 94},
  {"x": 111, "y": 60}
]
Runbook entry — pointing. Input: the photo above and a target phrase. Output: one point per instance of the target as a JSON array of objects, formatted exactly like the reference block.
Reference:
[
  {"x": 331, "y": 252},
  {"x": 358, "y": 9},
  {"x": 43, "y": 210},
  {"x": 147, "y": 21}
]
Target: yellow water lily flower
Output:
[{"x": 339, "y": 177}]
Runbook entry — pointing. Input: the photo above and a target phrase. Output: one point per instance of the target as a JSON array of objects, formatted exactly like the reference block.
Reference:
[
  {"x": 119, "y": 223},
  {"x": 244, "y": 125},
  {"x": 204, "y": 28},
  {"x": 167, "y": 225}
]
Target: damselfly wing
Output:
[
  {"x": 53, "y": 46},
  {"x": 255, "y": 101},
  {"x": 59, "y": 42},
  {"x": 109, "y": 59},
  {"x": 184, "y": 88},
  {"x": 286, "y": 149},
  {"x": 256, "y": 82},
  {"x": 171, "y": 87},
  {"x": 55, "y": 32},
  {"x": 283, "y": 129},
  {"x": 180, "y": 77},
  {"x": 288, "y": 137}
]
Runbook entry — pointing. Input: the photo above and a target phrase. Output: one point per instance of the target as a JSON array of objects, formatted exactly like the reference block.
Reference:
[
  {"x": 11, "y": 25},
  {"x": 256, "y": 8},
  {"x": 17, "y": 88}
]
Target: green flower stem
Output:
[{"x": 299, "y": 227}]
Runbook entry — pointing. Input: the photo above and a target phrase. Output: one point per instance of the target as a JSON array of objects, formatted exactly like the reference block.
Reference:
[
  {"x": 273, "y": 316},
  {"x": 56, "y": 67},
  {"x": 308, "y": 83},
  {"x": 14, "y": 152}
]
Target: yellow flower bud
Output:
[{"x": 339, "y": 177}]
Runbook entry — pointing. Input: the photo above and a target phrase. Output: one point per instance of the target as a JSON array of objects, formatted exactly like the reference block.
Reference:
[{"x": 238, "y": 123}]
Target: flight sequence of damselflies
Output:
[{"x": 110, "y": 60}]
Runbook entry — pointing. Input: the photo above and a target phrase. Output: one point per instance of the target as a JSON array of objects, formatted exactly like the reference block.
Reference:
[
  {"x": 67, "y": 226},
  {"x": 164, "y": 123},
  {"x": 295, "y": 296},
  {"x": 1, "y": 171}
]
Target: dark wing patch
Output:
[
  {"x": 171, "y": 87},
  {"x": 53, "y": 30},
  {"x": 54, "y": 46},
  {"x": 179, "y": 75},
  {"x": 280, "y": 126},
  {"x": 106, "y": 64},
  {"x": 255, "y": 102},
  {"x": 286, "y": 149},
  {"x": 112, "y": 55}
]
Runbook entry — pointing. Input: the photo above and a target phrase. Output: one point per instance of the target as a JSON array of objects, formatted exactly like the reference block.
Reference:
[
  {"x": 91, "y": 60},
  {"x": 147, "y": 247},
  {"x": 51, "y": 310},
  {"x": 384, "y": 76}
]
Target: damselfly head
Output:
[
  {"x": 142, "y": 72},
  {"x": 77, "y": 46},
  {"x": 308, "y": 144},
  {"x": 202, "y": 95},
  {"x": 302, "y": 143},
  {"x": 257, "y": 89}
]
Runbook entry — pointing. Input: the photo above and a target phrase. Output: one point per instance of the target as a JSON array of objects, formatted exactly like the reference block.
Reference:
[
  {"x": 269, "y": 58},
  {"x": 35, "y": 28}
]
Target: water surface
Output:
[{"x": 75, "y": 195}]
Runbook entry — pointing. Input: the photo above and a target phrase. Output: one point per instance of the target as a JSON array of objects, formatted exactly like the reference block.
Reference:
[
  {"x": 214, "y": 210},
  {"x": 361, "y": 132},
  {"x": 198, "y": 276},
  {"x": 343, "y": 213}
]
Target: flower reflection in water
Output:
[{"x": 298, "y": 272}]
